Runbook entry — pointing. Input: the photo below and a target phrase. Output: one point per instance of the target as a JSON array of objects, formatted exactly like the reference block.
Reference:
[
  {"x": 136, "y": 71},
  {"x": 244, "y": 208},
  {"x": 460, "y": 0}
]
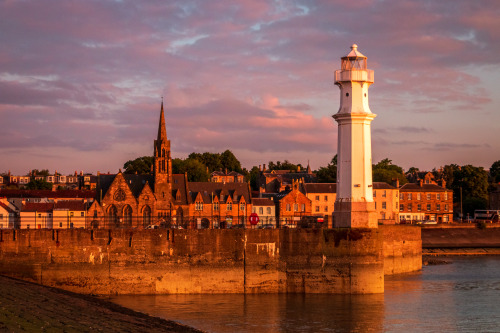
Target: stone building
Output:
[
  {"x": 165, "y": 199},
  {"x": 386, "y": 199},
  {"x": 322, "y": 196},
  {"x": 420, "y": 202},
  {"x": 291, "y": 206},
  {"x": 266, "y": 210},
  {"x": 275, "y": 181},
  {"x": 226, "y": 177}
]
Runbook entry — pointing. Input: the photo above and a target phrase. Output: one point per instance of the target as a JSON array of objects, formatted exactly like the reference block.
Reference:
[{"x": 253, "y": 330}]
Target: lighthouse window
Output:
[{"x": 347, "y": 94}]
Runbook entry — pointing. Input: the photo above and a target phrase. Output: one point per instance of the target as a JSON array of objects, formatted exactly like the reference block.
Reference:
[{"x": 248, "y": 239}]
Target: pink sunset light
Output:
[{"x": 81, "y": 81}]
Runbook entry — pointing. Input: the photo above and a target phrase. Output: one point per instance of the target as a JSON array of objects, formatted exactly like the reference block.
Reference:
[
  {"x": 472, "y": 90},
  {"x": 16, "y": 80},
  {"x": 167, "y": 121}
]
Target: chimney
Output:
[
  {"x": 226, "y": 171},
  {"x": 298, "y": 168},
  {"x": 263, "y": 167},
  {"x": 421, "y": 182},
  {"x": 98, "y": 173},
  {"x": 443, "y": 183},
  {"x": 260, "y": 167},
  {"x": 76, "y": 173},
  {"x": 81, "y": 173}
]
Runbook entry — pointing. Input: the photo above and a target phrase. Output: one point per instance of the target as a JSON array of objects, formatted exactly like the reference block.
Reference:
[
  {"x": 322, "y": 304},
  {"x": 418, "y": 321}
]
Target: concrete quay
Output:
[{"x": 29, "y": 307}]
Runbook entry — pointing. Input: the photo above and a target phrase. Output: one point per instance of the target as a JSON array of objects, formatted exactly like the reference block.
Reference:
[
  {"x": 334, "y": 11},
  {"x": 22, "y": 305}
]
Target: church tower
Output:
[
  {"x": 162, "y": 169},
  {"x": 354, "y": 206}
]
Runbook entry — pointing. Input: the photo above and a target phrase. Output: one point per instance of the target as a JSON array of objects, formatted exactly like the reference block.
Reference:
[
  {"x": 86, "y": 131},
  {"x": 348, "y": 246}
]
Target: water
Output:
[{"x": 459, "y": 297}]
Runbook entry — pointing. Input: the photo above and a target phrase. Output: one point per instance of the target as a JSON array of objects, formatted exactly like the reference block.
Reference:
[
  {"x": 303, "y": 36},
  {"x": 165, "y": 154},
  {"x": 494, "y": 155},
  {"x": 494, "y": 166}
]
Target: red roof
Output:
[
  {"x": 73, "y": 205},
  {"x": 47, "y": 194},
  {"x": 38, "y": 207}
]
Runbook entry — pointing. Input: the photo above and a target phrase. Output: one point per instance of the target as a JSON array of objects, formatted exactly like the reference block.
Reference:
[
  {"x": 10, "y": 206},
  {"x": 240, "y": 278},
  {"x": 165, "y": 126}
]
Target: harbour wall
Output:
[
  {"x": 104, "y": 262},
  {"x": 461, "y": 237}
]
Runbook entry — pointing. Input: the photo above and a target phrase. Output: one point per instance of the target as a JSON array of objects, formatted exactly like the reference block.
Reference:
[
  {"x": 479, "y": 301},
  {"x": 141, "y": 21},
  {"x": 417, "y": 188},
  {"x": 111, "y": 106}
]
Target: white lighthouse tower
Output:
[{"x": 354, "y": 206}]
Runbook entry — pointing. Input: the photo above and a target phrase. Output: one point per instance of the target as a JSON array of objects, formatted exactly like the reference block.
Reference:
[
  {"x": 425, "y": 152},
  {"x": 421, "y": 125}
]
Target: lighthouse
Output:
[{"x": 354, "y": 206}]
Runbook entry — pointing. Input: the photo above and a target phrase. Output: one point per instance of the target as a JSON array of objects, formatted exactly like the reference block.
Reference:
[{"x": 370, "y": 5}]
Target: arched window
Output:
[
  {"x": 146, "y": 216},
  {"x": 112, "y": 215},
  {"x": 127, "y": 215}
]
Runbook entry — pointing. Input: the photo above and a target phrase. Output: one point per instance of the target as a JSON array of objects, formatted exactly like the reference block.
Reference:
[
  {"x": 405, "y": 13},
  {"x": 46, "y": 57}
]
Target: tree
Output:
[
  {"x": 495, "y": 171},
  {"x": 38, "y": 184},
  {"x": 230, "y": 162},
  {"x": 253, "y": 177},
  {"x": 473, "y": 181},
  {"x": 141, "y": 165},
  {"x": 196, "y": 171},
  {"x": 385, "y": 171},
  {"x": 448, "y": 175},
  {"x": 328, "y": 174},
  {"x": 43, "y": 172},
  {"x": 286, "y": 165}
]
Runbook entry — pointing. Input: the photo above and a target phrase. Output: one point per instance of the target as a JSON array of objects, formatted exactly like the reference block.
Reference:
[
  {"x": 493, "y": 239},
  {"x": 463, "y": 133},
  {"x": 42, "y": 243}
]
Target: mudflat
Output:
[{"x": 30, "y": 307}]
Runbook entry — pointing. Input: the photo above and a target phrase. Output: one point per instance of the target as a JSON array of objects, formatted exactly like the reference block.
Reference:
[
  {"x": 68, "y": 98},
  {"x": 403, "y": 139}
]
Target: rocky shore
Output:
[{"x": 31, "y": 307}]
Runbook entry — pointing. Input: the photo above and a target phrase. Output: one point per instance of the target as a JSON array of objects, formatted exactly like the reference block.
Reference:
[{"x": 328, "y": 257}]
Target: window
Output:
[
  {"x": 317, "y": 208},
  {"x": 288, "y": 208},
  {"x": 295, "y": 207},
  {"x": 268, "y": 210},
  {"x": 39, "y": 215},
  {"x": 198, "y": 205},
  {"x": 438, "y": 196},
  {"x": 384, "y": 194},
  {"x": 445, "y": 195},
  {"x": 82, "y": 214},
  {"x": 419, "y": 196},
  {"x": 60, "y": 224},
  {"x": 401, "y": 208},
  {"x": 317, "y": 198},
  {"x": 401, "y": 196},
  {"x": 409, "y": 207},
  {"x": 428, "y": 196},
  {"x": 242, "y": 206},
  {"x": 326, "y": 198},
  {"x": 445, "y": 218},
  {"x": 261, "y": 210},
  {"x": 229, "y": 206},
  {"x": 71, "y": 214},
  {"x": 216, "y": 205},
  {"x": 409, "y": 196},
  {"x": 419, "y": 207},
  {"x": 446, "y": 207},
  {"x": 397, "y": 205},
  {"x": 428, "y": 207},
  {"x": 384, "y": 205},
  {"x": 374, "y": 193},
  {"x": 326, "y": 209},
  {"x": 303, "y": 207},
  {"x": 438, "y": 207},
  {"x": 375, "y": 205}
]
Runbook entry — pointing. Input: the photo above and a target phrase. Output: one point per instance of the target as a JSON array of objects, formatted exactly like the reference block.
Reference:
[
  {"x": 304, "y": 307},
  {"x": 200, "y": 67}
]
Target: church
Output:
[{"x": 163, "y": 199}]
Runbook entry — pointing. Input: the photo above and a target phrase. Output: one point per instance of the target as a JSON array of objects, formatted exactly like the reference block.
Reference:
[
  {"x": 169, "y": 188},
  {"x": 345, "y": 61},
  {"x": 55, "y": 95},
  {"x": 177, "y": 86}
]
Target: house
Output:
[
  {"x": 225, "y": 177},
  {"x": 69, "y": 214},
  {"x": 8, "y": 215},
  {"x": 420, "y": 201},
  {"x": 386, "y": 198},
  {"x": 274, "y": 181},
  {"x": 322, "y": 196},
  {"x": 36, "y": 215},
  {"x": 219, "y": 205},
  {"x": 291, "y": 206},
  {"x": 265, "y": 209}
]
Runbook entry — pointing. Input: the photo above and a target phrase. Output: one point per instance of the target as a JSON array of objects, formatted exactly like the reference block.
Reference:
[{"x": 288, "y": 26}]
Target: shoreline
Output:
[
  {"x": 27, "y": 306},
  {"x": 434, "y": 252}
]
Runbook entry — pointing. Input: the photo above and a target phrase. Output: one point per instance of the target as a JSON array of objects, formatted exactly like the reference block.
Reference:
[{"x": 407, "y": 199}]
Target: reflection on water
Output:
[{"x": 459, "y": 297}]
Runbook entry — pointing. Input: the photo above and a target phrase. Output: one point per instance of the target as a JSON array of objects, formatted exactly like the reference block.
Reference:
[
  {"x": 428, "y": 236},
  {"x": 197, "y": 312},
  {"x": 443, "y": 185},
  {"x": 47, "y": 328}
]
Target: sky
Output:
[{"x": 81, "y": 82}]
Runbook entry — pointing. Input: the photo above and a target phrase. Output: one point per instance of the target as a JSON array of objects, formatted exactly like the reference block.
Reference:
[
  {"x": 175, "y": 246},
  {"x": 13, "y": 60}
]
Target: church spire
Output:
[{"x": 162, "y": 132}]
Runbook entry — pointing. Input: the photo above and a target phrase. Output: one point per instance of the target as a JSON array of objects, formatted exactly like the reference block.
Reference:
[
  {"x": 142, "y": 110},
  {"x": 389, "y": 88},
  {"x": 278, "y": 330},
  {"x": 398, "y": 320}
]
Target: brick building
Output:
[
  {"x": 421, "y": 202},
  {"x": 291, "y": 206},
  {"x": 322, "y": 196},
  {"x": 166, "y": 199}
]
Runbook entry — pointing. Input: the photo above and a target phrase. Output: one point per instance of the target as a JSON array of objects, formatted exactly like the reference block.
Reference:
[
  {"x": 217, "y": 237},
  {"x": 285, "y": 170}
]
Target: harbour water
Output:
[{"x": 461, "y": 296}]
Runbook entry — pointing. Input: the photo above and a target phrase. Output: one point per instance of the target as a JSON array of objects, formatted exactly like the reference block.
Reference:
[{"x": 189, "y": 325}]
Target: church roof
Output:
[
  {"x": 135, "y": 183},
  {"x": 228, "y": 189}
]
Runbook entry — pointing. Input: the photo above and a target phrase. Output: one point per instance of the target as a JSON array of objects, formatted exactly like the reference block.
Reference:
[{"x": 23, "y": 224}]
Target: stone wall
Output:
[
  {"x": 402, "y": 248},
  {"x": 347, "y": 261}
]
